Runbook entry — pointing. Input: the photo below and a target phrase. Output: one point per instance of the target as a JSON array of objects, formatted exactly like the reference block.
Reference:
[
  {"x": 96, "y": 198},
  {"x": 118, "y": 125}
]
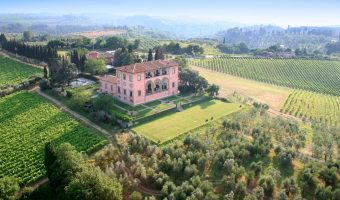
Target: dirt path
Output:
[
  {"x": 34, "y": 185},
  {"x": 20, "y": 61},
  {"x": 81, "y": 118}
]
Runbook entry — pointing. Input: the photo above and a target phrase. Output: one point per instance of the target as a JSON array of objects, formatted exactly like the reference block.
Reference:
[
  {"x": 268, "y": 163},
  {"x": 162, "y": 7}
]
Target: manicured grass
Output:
[
  {"x": 163, "y": 106},
  {"x": 173, "y": 125},
  {"x": 172, "y": 98},
  {"x": 28, "y": 122},
  {"x": 153, "y": 103},
  {"x": 12, "y": 72}
]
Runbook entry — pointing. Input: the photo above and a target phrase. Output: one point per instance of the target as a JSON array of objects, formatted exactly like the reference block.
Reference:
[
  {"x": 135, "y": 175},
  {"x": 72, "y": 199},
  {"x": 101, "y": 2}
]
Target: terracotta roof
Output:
[
  {"x": 108, "y": 78},
  {"x": 146, "y": 66},
  {"x": 93, "y": 52}
]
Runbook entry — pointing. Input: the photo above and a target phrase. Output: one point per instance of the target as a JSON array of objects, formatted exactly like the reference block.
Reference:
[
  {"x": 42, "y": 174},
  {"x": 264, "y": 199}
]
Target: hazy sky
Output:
[{"x": 280, "y": 12}]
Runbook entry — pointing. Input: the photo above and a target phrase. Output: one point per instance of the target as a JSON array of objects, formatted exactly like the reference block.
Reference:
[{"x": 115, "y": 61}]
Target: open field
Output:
[
  {"x": 313, "y": 75},
  {"x": 173, "y": 125},
  {"x": 274, "y": 96},
  {"x": 27, "y": 123},
  {"x": 209, "y": 49},
  {"x": 12, "y": 72},
  {"x": 313, "y": 106}
]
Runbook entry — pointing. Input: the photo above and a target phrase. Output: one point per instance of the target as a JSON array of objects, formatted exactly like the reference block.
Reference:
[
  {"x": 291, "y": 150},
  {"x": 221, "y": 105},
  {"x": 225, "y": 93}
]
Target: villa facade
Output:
[{"x": 142, "y": 82}]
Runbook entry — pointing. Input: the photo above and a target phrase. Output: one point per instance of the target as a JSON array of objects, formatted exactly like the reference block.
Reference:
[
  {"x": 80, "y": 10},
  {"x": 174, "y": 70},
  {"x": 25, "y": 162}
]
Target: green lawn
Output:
[{"x": 173, "y": 125}]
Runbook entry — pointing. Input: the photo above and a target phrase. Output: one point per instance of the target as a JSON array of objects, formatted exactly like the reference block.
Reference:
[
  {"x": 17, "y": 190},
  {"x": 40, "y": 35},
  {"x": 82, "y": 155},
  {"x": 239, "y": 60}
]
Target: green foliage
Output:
[
  {"x": 12, "y": 72},
  {"x": 233, "y": 49},
  {"x": 27, "y": 36},
  {"x": 213, "y": 90},
  {"x": 115, "y": 43},
  {"x": 314, "y": 75},
  {"x": 191, "y": 81},
  {"x": 136, "y": 196},
  {"x": 123, "y": 57},
  {"x": 323, "y": 193},
  {"x": 73, "y": 178},
  {"x": 95, "y": 67},
  {"x": 183, "y": 63},
  {"x": 8, "y": 188},
  {"x": 81, "y": 97},
  {"x": 27, "y": 126},
  {"x": 62, "y": 71},
  {"x": 268, "y": 185}
]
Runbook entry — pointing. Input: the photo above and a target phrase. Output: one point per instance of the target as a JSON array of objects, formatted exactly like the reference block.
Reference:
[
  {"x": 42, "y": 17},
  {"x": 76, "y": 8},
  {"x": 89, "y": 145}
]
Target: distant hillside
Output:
[
  {"x": 264, "y": 36},
  {"x": 61, "y": 24}
]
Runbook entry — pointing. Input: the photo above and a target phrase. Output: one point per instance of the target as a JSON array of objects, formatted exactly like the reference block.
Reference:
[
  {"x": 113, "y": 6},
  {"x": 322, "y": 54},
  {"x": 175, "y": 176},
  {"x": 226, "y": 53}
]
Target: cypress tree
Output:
[
  {"x": 150, "y": 56},
  {"x": 157, "y": 54},
  {"x": 45, "y": 72}
]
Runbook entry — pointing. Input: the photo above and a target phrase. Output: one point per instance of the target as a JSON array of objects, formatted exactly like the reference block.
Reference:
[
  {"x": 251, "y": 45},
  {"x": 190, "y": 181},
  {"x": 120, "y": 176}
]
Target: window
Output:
[
  {"x": 139, "y": 77},
  {"x": 105, "y": 86},
  {"x": 124, "y": 76},
  {"x": 111, "y": 87},
  {"x": 139, "y": 93},
  {"x": 173, "y": 84},
  {"x": 118, "y": 89},
  {"x": 124, "y": 91},
  {"x": 174, "y": 70},
  {"x": 130, "y": 78},
  {"x": 118, "y": 75},
  {"x": 130, "y": 93}
]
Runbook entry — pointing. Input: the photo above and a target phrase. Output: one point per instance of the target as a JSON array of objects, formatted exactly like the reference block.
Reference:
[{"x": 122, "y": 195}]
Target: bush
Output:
[
  {"x": 44, "y": 84},
  {"x": 136, "y": 196}
]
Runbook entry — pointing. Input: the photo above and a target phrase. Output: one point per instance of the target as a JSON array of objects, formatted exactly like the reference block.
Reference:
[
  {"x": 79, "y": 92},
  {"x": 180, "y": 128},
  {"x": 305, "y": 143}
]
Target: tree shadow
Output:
[{"x": 206, "y": 104}]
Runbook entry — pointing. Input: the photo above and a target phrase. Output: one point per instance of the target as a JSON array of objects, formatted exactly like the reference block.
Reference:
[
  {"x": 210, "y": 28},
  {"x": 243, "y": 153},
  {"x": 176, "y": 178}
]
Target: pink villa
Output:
[{"x": 142, "y": 82}]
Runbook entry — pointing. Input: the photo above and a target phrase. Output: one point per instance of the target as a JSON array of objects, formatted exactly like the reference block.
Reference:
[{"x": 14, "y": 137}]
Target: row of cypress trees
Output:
[{"x": 38, "y": 52}]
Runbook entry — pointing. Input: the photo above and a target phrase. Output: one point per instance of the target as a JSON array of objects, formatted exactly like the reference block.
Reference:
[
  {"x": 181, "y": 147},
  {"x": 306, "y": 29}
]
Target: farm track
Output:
[
  {"x": 19, "y": 61},
  {"x": 75, "y": 115}
]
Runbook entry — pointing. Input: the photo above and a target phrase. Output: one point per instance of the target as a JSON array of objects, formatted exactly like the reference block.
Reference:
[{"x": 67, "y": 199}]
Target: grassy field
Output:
[
  {"x": 209, "y": 49},
  {"x": 272, "y": 95},
  {"x": 12, "y": 72},
  {"x": 313, "y": 106},
  {"x": 171, "y": 126},
  {"x": 27, "y": 123},
  {"x": 313, "y": 75}
]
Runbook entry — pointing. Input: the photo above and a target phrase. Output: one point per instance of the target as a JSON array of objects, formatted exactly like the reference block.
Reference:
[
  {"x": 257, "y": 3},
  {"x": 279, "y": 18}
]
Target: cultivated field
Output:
[
  {"x": 313, "y": 106},
  {"x": 96, "y": 34},
  {"x": 12, "y": 72},
  {"x": 171, "y": 126},
  {"x": 272, "y": 95},
  {"x": 312, "y": 75},
  {"x": 27, "y": 123}
]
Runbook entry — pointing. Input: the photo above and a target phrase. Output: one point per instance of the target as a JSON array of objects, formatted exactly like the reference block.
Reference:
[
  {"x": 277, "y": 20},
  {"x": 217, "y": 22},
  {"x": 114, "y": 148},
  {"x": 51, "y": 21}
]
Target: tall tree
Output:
[
  {"x": 150, "y": 56},
  {"x": 73, "y": 178},
  {"x": 27, "y": 36}
]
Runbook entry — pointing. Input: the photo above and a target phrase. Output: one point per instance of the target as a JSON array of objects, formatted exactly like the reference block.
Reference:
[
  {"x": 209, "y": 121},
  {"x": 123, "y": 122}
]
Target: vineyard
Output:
[
  {"x": 12, "y": 72},
  {"x": 313, "y": 106},
  {"x": 312, "y": 75},
  {"x": 27, "y": 123}
]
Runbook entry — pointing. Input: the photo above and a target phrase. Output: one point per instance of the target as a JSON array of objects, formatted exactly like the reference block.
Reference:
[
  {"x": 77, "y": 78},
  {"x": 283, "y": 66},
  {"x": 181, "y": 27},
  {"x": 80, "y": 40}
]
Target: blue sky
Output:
[{"x": 280, "y": 12}]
